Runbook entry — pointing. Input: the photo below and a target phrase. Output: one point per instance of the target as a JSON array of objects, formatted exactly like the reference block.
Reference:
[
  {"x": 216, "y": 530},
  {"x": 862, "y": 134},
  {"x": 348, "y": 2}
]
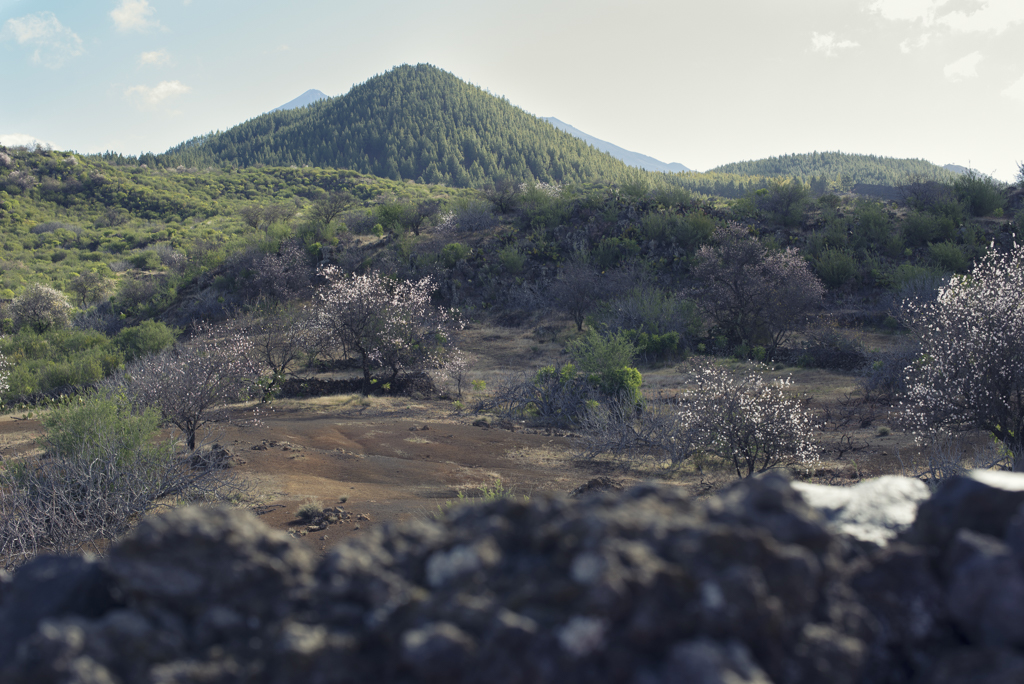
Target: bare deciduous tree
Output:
[
  {"x": 577, "y": 290},
  {"x": 505, "y": 194},
  {"x": 90, "y": 287},
  {"x": 281, "y": 339},
  {"x": 325, "y": 210},
  {"x": 750, "y": 293},
  {"x": 259, "y": 217},
  {"x": 555, "y": 395}
]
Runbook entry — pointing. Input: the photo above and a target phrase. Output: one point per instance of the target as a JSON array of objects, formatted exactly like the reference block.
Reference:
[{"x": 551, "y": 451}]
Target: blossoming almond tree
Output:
[
  {"x": 745, "y": 418},
  {"x": 970, "y": 374},
  {"x": 190, "y": 383},
  {"x": 386, "y": 323}
]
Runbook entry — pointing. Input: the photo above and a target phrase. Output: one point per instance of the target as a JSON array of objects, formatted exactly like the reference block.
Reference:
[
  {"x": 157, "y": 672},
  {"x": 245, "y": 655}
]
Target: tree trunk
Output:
[
  {"x": 1016, "y": 448},
  {"x": 366, "y": 376}
]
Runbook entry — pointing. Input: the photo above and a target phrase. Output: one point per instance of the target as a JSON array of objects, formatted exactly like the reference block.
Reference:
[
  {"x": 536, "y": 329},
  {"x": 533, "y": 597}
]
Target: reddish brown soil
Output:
[
  {"x": 390, "y": 467},
  {"x": 396, "y": 459}
]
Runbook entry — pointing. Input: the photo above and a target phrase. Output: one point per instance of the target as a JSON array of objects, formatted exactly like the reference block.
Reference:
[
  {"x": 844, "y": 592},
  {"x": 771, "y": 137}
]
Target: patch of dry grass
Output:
[{"x": 354, "y": 403}]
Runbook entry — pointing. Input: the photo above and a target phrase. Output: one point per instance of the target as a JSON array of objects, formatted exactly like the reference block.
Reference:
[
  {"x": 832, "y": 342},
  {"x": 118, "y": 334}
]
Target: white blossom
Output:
[{"x": 970, "y": 374}]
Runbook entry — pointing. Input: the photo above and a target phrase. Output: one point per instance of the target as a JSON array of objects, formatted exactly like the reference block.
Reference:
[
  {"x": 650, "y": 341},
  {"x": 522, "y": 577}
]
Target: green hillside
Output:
[
  {"x": 413, "y": 122},
  {"x": 850, "y": 168}
]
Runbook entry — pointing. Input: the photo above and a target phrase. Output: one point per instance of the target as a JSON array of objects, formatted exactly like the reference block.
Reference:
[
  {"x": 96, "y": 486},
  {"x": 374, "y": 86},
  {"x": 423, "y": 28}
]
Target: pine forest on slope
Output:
[
  {"x": 424, "y": 124},
  {"x": 413, "y": 122}
]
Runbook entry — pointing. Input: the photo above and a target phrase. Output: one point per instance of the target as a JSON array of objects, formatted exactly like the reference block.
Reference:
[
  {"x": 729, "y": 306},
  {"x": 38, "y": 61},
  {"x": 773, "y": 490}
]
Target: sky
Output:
[{"x": 690, "y": 81}]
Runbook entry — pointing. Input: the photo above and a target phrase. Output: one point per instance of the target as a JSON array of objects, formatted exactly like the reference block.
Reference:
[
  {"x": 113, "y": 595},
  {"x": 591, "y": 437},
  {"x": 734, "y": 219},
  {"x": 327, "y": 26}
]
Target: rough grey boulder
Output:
[
  {"x": 644, "y": 586},
  {"x": 873, "y": 512},
  {"x": 984, "y": 501},
  {"x": 50, "y": 586}
]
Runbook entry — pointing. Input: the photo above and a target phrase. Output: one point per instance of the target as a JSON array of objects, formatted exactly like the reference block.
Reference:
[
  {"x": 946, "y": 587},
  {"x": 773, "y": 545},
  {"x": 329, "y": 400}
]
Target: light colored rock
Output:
[{"x": 874, "y": 511}]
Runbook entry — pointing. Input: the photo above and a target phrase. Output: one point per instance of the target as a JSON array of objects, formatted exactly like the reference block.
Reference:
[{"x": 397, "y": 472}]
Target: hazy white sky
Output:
[{"x": 697, "y": 82}]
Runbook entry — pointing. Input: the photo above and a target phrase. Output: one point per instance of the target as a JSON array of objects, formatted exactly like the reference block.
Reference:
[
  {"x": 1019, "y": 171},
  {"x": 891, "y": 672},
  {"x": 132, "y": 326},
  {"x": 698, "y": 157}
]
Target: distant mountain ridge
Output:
[
  {"x": 631, "y": 158},
  {"x": 306, "y": 98},
  {"x": 410, "y": 123},
  {"x": 842, "y": 167}
]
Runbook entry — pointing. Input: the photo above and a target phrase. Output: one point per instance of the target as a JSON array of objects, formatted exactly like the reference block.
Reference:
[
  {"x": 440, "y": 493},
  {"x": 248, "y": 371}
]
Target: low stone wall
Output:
[
  {"x": 644, "y": 586},
  {"x": 407, "y": 385}
]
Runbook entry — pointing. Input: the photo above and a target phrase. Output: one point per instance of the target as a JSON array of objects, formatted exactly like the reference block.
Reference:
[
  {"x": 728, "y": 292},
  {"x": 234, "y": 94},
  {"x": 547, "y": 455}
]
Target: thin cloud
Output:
[
  {"x": 924, "y": 11},
  {"x": 133, "y": 15},
  {"x": 156, "y": 57},
  {"x": 908, "y": 45},
  {"x": 145, "y": 97},
  {"x": 827, "y": 43},
  {"x": 986, "y": 15},
  {"x": 22, "y": 140},
  {"x": 1015, "y": 91},
  {"x": 992, "y": 16},
  {"x": 963, "y": 68},
  {"x": 54, "y": 43}
]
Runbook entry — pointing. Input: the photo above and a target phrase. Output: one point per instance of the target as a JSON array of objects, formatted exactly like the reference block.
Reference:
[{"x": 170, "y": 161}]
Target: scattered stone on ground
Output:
[{"x": 595, "y": 485}]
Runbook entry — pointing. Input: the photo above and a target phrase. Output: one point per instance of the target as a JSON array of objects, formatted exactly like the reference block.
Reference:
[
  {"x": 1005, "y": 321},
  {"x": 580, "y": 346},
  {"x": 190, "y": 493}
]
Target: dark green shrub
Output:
[
  {"x": 394, "y": 217},
  {"x": 654, "y": 311},
  {"x": 689, "y": 231},
  {"x": 544, "y": 206},
  {"x": 830, "y": 201},
  {"x": 835, "y": 267},
  {"x": 149, "y": 337},
  {"x": 98, "y": 423},
  {"x": 697, "y": 230},
  {"x": 661, "y": 226},
  {"x": 611, "y": 251},
  {"x": 783, "y": 201},
  {"x": 872, "y": 227},
  {"x": 606, "y": 361},
  {"x": 949, "y": 256},
  {"x": 512, "y": 259},
  {"x": 893, "y": 246},
  {"x": 654, "y": 347},
  {"x": 41, "y": 362},
  {"x": 827, "y": 347},
  {"x": 980, "y": 194},
  {"x": 146, "y": 260},
  {"x": 670, "y": 196},
  {"x": 910, "y": 278},
  {"x": 920, "y": 229},
  {"x": 453, "y": 253}
]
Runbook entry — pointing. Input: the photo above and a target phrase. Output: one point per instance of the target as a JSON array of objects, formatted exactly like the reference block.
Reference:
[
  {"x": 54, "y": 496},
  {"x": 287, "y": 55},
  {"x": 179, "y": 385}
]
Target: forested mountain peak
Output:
[{"x": 412, "y": 122}]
